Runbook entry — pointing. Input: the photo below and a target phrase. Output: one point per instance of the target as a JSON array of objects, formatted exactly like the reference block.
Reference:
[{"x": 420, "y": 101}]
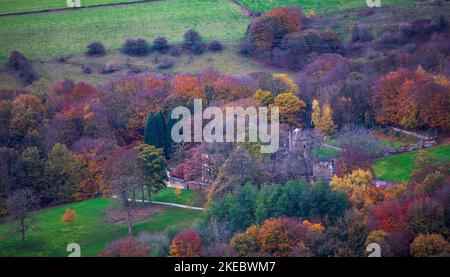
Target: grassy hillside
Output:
[
  {"x": 49, "y": 236},
  {"x": 13, "y": 6},
  {"x": 308, "y": 5},
  {"x": 399, "y": 167},
  {"x": 52, "y": 34}
]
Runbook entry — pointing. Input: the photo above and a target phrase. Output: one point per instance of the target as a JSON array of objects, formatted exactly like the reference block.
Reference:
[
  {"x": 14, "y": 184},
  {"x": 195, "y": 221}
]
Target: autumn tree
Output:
[
  {"x": 268, "y": 30},
  {"x": 126, "y": 247},
  {"x": 186, "y": 244},
  {"x": 185, "y": 88},
  {"x": 26, "y": 115},
  {"x": 240, "y": 168},
  {"x": 425, "y": 216},
  {"x": 322, "y": 119},
  {"x": 63, "y": 172},
  {"x": 351, "y": 158},
  {"x": 429, "y": 245},
  {"x": 413, "y": 99},
  {"x": 69, "y": 216},
  {"x": 291, "y": 107}
]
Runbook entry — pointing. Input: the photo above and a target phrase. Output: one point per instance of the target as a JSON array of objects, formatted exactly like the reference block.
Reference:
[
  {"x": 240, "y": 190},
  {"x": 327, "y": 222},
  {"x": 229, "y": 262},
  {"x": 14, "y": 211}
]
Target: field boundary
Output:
[{"x": 79, "y": 8}]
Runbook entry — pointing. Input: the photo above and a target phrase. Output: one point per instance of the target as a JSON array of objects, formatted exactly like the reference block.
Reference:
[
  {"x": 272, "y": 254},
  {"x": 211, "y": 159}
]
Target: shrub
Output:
[
  {"x": 247, "y": 48},
  {"x": 198, "y": 48},
  {"x": 191, "y": 39},
  {"x": 175, "y": 51},
  {"x": 394, "y": 37},
  {"x": 295, "y": 42},
  {"x": 95, "y": 49},
  {"x": 215, "y": 46},
  {"x": 69, "y": 216},
  {"x": 186, "y": 244},
  {"x": 21, "y": 64},
  {"x": 329, "y": 42},
  {"x": 161, "y": 45},
  {"x": 166, "y": 64},
  {"x": 127, "y": 247},
  {"x": 15, "y": 58},
  {"x": 138, "y": 47},
  {"x": 87, "y": 69},
  {"x": 361, "y": 34}
]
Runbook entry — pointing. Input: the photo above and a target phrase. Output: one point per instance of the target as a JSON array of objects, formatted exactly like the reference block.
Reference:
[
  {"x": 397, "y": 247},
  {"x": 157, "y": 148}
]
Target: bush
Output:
[
  {"x": 95, "y": 49},
  {"x": 69, "y": 216},
  {"x": 361, "y": 34},
  {"x": 126, "y": 247},
  {"x": 138, "y": 47},
  {"x": 192, "y": 40},
  {"x": 87, "y": 69},
  {"x": 15, "y": 57},
  {"x": 215, "y": 46},
  {"x": 161, "y": 45},
  {"x": 18, "y": 62},
  {"x": 166, "y": 64},
  {"x": 247, "y": 48},
  {"x": 198, "y": 48},
  {"x": 175, "y": 51},
  {"x": 394, "y": 37}
]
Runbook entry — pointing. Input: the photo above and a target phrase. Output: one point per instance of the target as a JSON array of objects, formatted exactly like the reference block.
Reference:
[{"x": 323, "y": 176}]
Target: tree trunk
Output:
[
  {"x": 143, "y": 196},
  {"x": 129, "y": 221},
  {"x": 22, "y": 230},
  {"x": 134, "y": 196}
]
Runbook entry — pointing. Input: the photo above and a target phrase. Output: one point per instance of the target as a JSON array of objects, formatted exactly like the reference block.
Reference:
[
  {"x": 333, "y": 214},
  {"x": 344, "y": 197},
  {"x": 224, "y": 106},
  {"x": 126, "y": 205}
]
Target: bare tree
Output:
[
  {"x": 304, "y": 150},
  {"x": 124, "y": 176},
  {"x": 20, "y": 204}
]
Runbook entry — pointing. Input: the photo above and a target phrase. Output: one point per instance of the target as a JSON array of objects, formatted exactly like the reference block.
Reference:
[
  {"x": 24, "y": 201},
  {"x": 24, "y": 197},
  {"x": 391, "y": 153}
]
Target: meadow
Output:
[
  {"x": 15, "y": 6},
  {"x": 49, "y": 236},
  {"x": 399, "y": 167},
  {"x": 68, "y": 32},
  {"x": 307, "y": 5}
]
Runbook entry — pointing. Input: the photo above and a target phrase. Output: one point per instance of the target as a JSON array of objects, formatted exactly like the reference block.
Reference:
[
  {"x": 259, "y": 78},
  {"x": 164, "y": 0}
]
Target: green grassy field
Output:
[
  {"x": 13, "y": 6},
  {"x": 49, "y": 236},
  {"x": 187, "y": 197},
  {"x": 399, "y": 167},
  {"x": 52, "y": 34},
  {"x": 307, "y": 5}
]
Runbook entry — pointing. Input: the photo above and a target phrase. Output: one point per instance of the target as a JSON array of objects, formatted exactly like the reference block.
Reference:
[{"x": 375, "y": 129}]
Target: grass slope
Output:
[
  {"x": 52, "y": 34},
  {"x": 49, "y": 236},
  {"x": 13, "y": 6},
  {"x": 399, "y": 167},
  {"x": 307, "y": 5}
]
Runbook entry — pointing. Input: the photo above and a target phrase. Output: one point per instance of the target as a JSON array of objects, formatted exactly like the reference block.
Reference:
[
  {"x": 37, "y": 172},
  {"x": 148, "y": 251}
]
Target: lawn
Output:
[
  {"x": 186, "y": 197},
  {"x": 399, "y": 167},
  {"x": 53, "y": 34},
  {"x": 13, "y": 6},
  {"x": 307, "y": 5},
  {"x": 91, "y": 231}
]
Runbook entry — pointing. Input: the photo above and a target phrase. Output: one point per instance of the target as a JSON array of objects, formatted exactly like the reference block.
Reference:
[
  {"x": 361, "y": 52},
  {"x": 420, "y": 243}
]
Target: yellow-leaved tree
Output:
[{"x": 291, "y": 107}]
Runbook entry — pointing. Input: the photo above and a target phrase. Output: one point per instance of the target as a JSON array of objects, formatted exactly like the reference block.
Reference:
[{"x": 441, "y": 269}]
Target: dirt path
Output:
[{"x": 169, "y": 204}]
